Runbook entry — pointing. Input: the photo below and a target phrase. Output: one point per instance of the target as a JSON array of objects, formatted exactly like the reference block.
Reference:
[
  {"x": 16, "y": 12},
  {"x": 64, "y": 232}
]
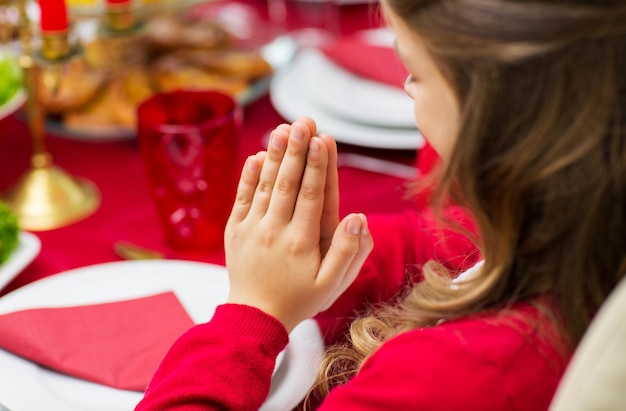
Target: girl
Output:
[{"x": 525, "y": 103}]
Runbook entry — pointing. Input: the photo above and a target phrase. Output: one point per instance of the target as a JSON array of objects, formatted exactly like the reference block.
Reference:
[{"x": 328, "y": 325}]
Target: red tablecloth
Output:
[{"x": 126, "y": 211}]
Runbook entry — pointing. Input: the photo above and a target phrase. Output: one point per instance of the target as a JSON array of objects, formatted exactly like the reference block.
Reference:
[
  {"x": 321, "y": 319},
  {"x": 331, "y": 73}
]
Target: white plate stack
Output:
[{"x": 353, "y": 109}]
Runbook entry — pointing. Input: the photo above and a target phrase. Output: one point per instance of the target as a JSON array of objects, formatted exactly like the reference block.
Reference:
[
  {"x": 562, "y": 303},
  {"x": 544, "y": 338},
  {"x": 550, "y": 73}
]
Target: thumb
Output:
[
  {"x": 365, "y": 246},
  {"x": 339, "y": 259}
]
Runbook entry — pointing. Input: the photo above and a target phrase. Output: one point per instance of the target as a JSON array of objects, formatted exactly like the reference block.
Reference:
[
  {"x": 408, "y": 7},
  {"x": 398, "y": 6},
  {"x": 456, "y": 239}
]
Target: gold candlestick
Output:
[{"x": 46, "y": 197}]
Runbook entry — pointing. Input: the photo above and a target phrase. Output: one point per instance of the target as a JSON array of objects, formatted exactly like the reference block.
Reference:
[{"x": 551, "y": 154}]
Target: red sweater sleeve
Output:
[
  {"x": 403, "y": 242},
  {"x": 226, "y": 363}
]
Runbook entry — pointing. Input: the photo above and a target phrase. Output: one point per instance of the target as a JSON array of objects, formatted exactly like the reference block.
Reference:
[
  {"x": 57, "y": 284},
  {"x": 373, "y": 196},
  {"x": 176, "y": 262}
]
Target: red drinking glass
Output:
[{"x": 188, "y": 142}]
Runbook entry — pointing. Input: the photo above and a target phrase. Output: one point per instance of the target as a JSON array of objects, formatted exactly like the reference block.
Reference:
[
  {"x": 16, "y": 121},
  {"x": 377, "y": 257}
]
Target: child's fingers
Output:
[
  {"x": 289, "y": 178},
  {"x": 330, "y": 212},
  {"x": 267, "y": 178},
  {"x": 246, "y": 188},
  {"x": 310, "y": 123},
  {"x": 310, "y": 199},
  {"x": 340, "y": 255},
  {"x": 365, "y": 246}
]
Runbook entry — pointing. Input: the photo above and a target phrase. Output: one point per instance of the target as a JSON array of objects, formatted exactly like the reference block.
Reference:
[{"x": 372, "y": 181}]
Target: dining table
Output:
[{"x": 126, "y": 211}]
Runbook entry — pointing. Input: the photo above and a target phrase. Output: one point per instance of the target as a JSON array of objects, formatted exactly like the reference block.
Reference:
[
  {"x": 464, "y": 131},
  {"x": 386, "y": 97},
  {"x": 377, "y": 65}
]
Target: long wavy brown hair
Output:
[{"x": 540, "y": 162}]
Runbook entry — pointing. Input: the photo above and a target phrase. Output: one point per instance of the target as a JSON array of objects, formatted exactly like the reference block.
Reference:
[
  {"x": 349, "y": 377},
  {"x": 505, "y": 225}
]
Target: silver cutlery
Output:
[
  {"x": 130, "y": 251},
  {"x": 377, "y": 165}
]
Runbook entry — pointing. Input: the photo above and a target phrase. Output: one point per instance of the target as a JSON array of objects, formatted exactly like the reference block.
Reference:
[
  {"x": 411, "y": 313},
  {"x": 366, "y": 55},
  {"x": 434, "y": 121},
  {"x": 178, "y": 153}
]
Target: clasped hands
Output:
[{"x": 287, "y": 253}]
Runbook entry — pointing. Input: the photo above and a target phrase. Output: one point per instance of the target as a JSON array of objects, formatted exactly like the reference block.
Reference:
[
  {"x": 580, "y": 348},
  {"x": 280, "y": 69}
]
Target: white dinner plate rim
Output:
[
  {"x": 353, "y": 97},
  {"x": 290, "y": 101},
  {"x": 290, "y": 384},
  {"x": 28, "y": 247}
]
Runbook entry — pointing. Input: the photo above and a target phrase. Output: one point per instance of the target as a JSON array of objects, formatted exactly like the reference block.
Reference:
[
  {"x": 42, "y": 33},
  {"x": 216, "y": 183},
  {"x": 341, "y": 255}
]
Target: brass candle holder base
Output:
[{"x": 46, "y": 197}]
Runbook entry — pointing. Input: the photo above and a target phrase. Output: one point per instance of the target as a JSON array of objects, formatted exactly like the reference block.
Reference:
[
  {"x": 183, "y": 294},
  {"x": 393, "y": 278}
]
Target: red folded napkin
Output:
[
  {"x": 373, "y": 61},
  {"x": 119, "y": 344}
]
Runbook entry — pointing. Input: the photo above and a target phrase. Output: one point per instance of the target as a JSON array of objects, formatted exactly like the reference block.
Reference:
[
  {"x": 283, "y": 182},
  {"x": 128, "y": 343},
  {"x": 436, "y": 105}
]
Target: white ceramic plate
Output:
[
  {"x": 379, "y": 36},
  {"x": 353, "y": 97},
  {"x": 25, "y": 386},
  {"x": 289, "y": 94},
  {"x": 28, "y": 248}
]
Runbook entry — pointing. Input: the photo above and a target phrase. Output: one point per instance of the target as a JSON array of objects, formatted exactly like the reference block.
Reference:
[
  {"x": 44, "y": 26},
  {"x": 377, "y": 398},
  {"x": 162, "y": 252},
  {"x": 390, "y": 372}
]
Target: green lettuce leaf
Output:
[
  {"x": 10, "y": 77},
  {"x": 9, "y": 232}
]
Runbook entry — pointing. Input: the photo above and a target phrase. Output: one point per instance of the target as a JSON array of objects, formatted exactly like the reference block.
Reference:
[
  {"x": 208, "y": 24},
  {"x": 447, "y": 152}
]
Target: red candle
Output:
[
  {"x": 118, "y": 2},
  {"x": 53, "y": 15}
]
